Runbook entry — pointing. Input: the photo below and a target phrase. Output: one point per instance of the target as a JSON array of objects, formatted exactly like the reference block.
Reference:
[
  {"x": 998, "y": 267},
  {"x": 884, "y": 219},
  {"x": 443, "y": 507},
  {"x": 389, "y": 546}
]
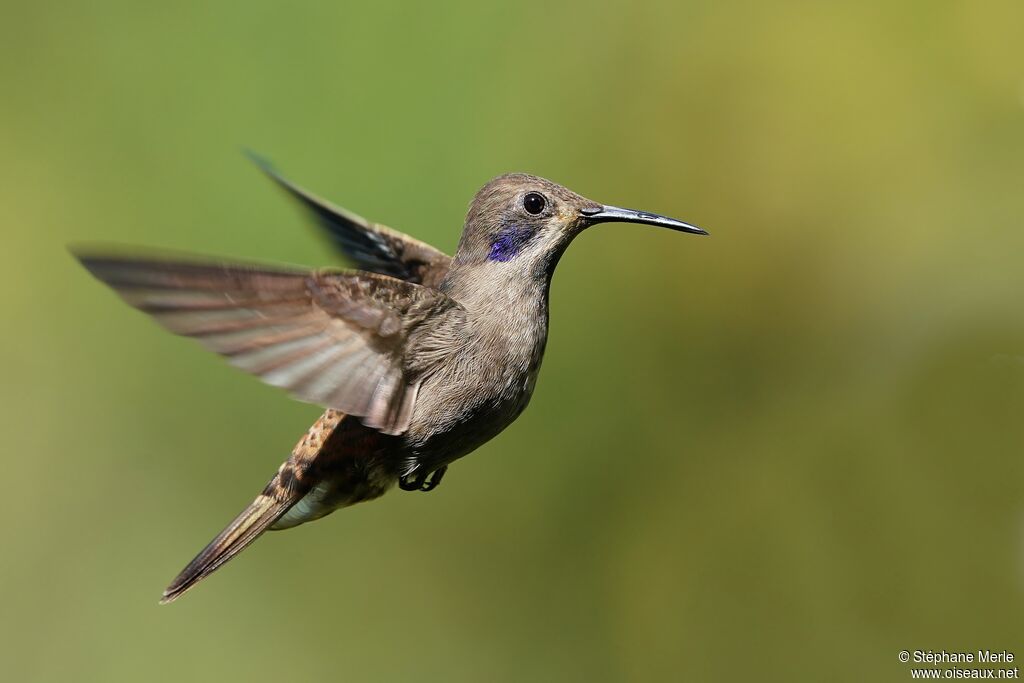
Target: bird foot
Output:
[{"x": 422, "y": 482}]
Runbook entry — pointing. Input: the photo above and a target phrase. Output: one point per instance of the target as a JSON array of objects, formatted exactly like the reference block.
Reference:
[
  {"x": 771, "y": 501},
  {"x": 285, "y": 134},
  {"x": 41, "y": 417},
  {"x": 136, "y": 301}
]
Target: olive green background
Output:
[{"x": 783, "y": 452}]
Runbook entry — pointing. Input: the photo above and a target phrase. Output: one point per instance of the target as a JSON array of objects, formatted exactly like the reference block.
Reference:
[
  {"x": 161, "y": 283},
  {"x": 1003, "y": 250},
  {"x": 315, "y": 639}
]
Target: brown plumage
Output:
[
  {"x": 341, "y": 456},
  {"x": 418, "y": 357}
]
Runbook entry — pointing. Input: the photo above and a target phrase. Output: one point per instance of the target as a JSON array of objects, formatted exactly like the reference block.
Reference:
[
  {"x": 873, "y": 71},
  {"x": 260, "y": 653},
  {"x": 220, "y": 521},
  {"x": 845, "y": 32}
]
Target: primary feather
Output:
[
  {"x": 333, "y": 338},
  {"x": 370, "y": 246}
]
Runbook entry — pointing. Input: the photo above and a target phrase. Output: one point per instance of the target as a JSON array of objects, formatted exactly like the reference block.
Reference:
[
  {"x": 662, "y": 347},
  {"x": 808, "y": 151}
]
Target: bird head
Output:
[{"x": 521, "y": 222}]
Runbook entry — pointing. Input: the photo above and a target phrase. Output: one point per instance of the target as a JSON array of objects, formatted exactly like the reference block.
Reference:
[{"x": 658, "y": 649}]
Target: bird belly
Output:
[{"x": 456, "y": 419}]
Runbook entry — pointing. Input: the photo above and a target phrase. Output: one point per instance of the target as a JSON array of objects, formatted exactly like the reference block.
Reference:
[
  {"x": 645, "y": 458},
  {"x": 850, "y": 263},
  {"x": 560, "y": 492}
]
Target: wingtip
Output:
[
  {"x": 84, "y": 251},
  {"x": 105, "y": 263},
  {"x": 93, "y": 254},
  {"x": 88, "y": 256},
  {"x": 267, "y": 167},
  {"x": 311, "y": 202},
  {"x": 261, "y": 161}
]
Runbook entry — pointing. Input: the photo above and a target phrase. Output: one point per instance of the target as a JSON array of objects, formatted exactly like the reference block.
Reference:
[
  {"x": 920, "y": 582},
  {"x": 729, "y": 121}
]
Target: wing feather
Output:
[
  {"x": 334, "y": 338},
  {"x": 370, "y": 246}
]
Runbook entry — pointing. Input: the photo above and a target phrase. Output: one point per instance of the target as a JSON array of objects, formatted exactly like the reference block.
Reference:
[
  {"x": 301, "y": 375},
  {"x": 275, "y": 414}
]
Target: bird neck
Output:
[{"x": 501, "y": 291}]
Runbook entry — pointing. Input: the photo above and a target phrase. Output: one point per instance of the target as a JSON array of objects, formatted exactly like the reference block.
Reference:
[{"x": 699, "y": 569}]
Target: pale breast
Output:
[{"x": 480, "y": 391}]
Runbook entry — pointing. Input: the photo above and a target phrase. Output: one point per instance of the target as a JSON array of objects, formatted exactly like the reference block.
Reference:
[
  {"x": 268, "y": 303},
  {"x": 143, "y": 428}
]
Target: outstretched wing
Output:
[
  {"x": 333, "y": 338},
  {"x": 371, "y": 246}
]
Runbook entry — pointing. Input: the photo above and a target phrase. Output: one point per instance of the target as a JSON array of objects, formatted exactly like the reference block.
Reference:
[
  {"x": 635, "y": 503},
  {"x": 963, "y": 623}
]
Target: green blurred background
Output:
[{"x": 784, "y": 452}]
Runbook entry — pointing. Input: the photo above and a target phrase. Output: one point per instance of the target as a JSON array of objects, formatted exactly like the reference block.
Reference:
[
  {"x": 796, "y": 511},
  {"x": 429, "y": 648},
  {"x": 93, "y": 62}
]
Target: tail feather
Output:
[
  {"x": 286, "y": 489},
  {"x": 245, "y": 529}
]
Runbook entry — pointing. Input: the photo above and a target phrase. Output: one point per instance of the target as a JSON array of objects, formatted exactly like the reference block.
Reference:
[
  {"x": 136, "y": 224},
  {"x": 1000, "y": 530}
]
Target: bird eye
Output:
[{"x": 534, "y": 202}]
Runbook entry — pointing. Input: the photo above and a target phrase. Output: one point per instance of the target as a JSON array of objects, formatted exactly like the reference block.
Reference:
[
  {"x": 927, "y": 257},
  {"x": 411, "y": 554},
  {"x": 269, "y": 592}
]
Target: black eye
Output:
[{"x": 534, "y": 203}]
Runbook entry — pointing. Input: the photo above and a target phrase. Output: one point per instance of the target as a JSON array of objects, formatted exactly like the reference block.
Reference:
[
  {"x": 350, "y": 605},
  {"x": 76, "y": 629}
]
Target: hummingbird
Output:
[{"x": 417, "y": 357}]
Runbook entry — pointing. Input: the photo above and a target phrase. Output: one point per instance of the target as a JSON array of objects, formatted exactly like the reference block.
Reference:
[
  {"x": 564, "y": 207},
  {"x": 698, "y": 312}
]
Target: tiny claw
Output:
[
  {"x": 408, "y": 482},
  {"x": 435, "y": 478}
]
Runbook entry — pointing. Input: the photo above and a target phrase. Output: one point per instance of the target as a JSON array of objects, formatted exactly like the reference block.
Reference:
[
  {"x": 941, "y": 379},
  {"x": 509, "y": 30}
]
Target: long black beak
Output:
[{"x": 609, "y": 214}]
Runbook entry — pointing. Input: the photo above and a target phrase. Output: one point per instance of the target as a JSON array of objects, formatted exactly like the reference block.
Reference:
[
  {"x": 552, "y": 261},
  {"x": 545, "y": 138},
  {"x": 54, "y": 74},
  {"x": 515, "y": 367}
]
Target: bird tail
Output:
[
  {"x": 268, "y": 507},
  {"x": 325, "y": 451}
]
